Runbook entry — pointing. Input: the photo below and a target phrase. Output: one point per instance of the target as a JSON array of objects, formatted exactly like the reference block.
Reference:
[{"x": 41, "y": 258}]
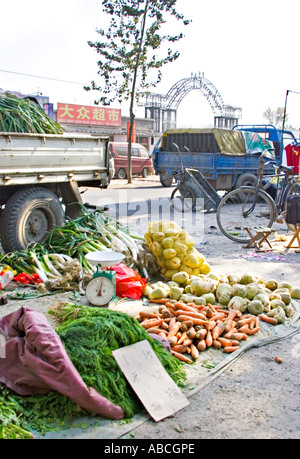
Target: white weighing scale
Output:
[{"x": 102, "y": 287}]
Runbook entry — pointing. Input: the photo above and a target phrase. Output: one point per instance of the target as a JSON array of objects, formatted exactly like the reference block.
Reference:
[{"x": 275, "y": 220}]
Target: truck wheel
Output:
[
  {"x": 28, "y": 217},
  {"x": 245, "y": 180},
  {"x": 121, "y": 174},
  {"x": 166, "y": 180}
]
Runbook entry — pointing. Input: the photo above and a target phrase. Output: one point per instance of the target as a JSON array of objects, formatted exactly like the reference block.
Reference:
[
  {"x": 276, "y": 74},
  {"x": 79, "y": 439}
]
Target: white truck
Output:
[{"x": 40, "y": 176}]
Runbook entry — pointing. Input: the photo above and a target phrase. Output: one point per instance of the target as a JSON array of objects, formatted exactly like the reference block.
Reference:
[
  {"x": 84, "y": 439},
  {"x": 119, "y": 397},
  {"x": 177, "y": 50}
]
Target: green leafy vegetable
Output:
[
  {"x": 25, "y": 115},
  {"x": 91, "y": 334}
]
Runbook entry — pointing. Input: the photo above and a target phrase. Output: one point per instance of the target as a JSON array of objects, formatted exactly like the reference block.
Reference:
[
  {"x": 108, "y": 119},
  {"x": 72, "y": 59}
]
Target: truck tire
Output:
[
  {"x": 166, "y": 180},
  {"x": 245, "y": 180},
  {"x": 28, "y": 217}
]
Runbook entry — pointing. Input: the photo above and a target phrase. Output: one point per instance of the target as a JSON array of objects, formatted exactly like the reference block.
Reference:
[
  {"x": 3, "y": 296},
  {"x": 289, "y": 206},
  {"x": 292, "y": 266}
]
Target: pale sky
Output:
[{"x": 248, "y": 51}]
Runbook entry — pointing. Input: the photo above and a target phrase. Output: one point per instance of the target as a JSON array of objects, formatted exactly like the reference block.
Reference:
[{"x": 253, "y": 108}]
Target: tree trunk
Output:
[
  {"x": 129, "y": 168},
  {"x": 131, "y": 113}
]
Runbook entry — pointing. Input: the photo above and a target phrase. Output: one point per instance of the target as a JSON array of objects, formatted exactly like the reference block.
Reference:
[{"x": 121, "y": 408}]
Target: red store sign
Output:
[{"x": 85, "y": 114}]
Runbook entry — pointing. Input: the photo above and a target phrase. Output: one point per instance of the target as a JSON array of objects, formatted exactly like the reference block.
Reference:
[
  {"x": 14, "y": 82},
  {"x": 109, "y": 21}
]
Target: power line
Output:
[{"x": 42, "y": 77}]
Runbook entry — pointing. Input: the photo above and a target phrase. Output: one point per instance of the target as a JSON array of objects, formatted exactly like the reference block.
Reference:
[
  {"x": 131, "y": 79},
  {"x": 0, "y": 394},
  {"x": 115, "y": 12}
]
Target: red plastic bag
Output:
[
  {"x": 25, "y": 278},
  {"x": 128, "y": 282}
]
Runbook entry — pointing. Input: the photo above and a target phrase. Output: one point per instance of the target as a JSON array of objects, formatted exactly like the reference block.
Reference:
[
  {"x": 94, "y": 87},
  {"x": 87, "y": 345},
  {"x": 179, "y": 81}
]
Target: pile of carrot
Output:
[{"x": 191, "y": 328}]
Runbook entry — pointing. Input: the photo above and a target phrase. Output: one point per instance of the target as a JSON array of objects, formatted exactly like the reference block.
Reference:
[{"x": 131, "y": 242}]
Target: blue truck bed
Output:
[{"x": 224, "y": 163}]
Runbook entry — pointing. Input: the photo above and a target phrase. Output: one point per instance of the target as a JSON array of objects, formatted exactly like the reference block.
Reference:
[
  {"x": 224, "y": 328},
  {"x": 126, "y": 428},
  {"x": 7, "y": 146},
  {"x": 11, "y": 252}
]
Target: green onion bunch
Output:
[{"x": 24, "y": 115}]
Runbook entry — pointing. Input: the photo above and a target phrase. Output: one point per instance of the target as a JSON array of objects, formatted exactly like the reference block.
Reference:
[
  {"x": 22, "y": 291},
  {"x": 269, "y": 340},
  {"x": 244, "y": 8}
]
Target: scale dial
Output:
[{"x": 100, "y": 291}]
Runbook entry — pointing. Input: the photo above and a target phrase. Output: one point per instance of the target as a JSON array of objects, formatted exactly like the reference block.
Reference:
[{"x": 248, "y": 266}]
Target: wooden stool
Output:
[
  {"x": 296, "y": 235},
  {"x": 261, "y": 235}
]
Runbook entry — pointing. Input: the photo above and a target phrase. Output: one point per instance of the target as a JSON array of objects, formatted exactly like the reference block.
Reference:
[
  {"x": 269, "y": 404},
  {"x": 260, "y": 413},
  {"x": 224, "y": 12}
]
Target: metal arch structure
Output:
[
  {"x": 195, "y": 83},
  {"x": 163, "y": 108}
]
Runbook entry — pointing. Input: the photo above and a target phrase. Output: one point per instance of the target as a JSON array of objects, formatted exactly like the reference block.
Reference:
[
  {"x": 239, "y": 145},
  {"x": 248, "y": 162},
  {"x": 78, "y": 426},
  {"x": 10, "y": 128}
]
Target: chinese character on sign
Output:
[
  {"x": 85, "y": 114},
  {"x": 65, "y": 111},
  {"x": 113, "y": 115},
  {"x": 99, "y": 114}
]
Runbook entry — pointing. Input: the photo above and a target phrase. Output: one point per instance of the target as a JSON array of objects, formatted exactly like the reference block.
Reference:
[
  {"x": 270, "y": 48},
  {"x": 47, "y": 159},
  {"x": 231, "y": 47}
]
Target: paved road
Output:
[{"x": 145, "y": 200}]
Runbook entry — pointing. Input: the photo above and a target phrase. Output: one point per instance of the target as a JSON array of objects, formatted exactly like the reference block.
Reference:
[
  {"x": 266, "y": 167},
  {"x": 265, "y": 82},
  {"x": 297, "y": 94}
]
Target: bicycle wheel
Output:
[
  {"x": 291, "y": 189},
  {"x": 244, "y": 207},
  {"x": 183, "y": 198}
]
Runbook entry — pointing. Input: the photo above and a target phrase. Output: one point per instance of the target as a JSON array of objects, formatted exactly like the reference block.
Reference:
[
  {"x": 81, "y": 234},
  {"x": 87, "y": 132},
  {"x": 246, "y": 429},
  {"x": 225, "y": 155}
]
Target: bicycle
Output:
[
  {"x": 193, "y": 191},
  {"x": 253, "y": 206}
]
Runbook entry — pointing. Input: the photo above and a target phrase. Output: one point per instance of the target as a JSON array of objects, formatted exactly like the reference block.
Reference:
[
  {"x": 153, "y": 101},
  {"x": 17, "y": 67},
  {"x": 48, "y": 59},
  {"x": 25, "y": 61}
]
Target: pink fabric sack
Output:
[{"x": 33, "y": 361}]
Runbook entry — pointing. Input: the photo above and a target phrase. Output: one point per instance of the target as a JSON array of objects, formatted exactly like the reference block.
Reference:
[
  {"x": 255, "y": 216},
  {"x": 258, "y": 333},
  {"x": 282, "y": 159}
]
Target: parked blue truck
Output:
[{"x": 228, "y": 158}]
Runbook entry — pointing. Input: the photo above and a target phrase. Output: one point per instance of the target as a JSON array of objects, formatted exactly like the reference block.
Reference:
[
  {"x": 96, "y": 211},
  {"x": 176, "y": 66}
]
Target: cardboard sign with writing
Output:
[{"x": 156, "y": 390}]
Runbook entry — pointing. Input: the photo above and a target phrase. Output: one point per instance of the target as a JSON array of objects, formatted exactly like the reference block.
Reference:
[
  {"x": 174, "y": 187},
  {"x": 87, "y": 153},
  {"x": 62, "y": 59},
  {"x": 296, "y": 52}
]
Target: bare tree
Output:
[{"x": 275, "y": 117}]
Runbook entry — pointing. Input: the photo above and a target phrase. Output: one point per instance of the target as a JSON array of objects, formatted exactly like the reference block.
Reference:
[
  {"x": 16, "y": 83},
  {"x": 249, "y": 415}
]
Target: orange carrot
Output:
[
  {"x": 229, "y": 325},
  {"x": 156, "y": 330},
  {"x": 188, "y": 324},
  {"x": 239, "y": 336},
  {"x": 186, "y": 307},
  {"x": 151, "y": 323},
  {"x": 167, "y": 320},
  {"x": 187, "y": 342},
  {"x": 224, "y": 342},
  {"x": 172, "y": 341},
  {"x": 201, "y": 346},
  {"x": 166, "y": 313},
  {"x": 233, "y": 313},
  {"x": 269, "y": 320},
  {"x": 196, "y": 321},
  {"x": 209, "y": 312},
  {"x": 201, "y": 333},
  {"x": 199, "y": 307},
  {"x": 181, "y": 357},
  {"x": 211, "y": 325},
  {"x": 172, "y": 322},
  {"x": 218, "y": 316},
  {"x": 218, "y": 330},
  {"x": 182, "y": 338},
  {"x": 179, "y": 348},
  {"x": 253, "y": 331},
  {"x": 244, "y": 329},
  {"x": 230, "y": 349},
  {"x": 149, "y": 315},
  {"x": 229, "y": 334},
  {"x": 252, "y": 324},
  {"x": 174, "y": 329},
  {"x": 169, "y": 304},
  {"x": 194, "y": 351},
  {"x": 235, "y": 342},
  {"x": 191, "y": 333},
  {"x": 158, "y": 301},
  {"x": 242, "y": 322},
  {"x": 216, "y": 344},
  {"x": 183, "y": 327},
  {"x": 196, "y": 315},
  {"x": 209, "y": 339}
]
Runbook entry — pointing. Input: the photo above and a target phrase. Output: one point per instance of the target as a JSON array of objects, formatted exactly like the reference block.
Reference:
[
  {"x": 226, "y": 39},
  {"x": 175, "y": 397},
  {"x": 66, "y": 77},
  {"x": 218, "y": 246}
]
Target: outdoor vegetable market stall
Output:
[{"x": 62, "y": 372}]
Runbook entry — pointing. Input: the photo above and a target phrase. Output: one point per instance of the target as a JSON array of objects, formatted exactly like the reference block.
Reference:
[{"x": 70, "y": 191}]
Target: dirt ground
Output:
[{"x": 255, "y": 397}]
